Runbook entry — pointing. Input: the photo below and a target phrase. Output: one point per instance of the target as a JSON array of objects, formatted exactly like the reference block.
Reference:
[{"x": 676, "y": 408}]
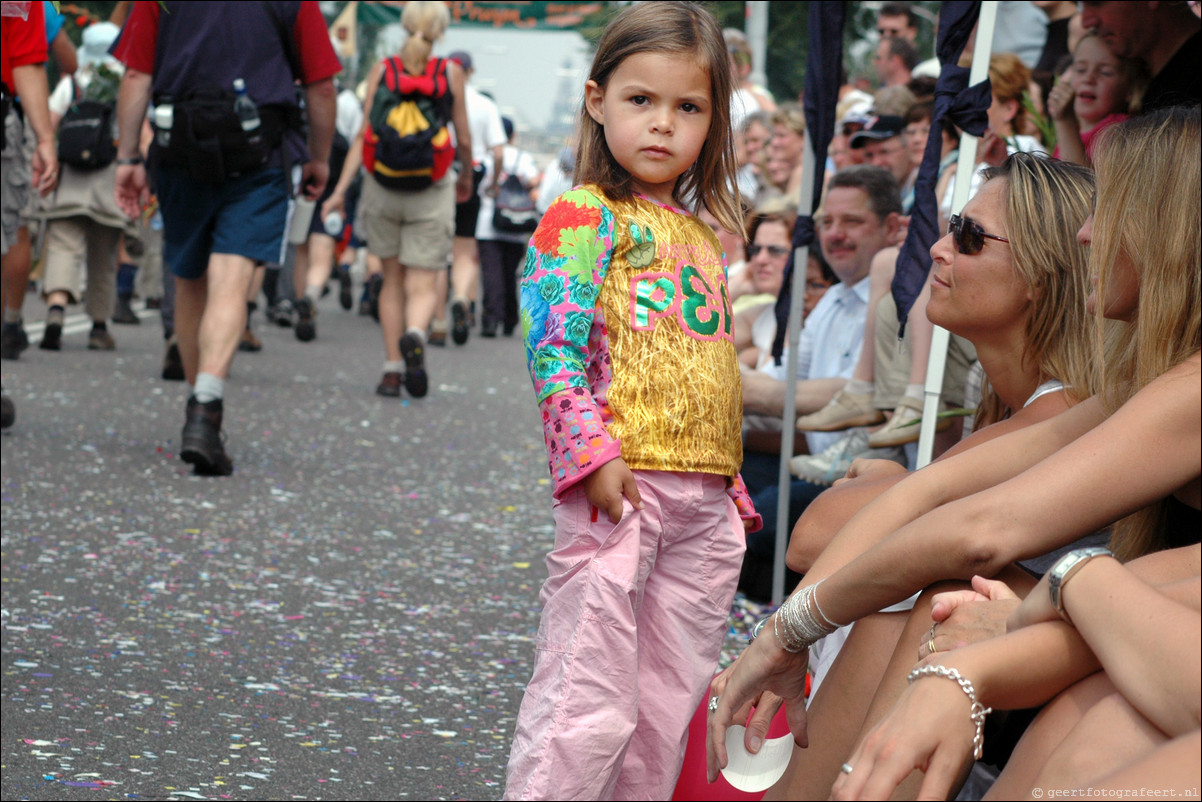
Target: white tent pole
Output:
[
  {"x": 788, "y": 431},
  {"x": 756, "y": 26},
  {"x": 965, "y": 165}
]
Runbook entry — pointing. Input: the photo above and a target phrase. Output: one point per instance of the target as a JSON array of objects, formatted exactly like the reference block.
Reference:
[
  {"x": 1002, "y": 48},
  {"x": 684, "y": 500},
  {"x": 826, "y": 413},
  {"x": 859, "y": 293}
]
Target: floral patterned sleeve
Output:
[
  {"x": 565, "y": 265},
  {"x": 752, "y": 520}
]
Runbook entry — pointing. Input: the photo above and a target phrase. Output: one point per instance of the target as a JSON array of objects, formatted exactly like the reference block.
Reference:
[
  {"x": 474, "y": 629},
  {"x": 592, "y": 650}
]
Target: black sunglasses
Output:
[
  {"x": 774, "y": 250},
  {"x": 968, "y": 235}
]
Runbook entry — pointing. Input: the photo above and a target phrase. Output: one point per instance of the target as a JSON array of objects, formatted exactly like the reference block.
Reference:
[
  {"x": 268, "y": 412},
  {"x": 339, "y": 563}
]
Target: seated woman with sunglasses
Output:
[
  {"x": 1130, "y": 452},
  {"x": 1022, "y": 303}
]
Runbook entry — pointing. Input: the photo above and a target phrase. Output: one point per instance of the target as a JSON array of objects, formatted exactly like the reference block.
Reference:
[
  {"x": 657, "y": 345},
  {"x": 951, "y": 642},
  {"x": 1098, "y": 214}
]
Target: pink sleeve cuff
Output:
[
  {"x": 577, "y": 441},
  {"x": 752, "y": 520}
]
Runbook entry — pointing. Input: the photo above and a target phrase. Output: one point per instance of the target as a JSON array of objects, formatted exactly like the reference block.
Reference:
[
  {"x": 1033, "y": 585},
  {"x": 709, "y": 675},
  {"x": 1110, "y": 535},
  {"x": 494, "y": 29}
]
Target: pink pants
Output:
[{"x": 634, "y": 616}]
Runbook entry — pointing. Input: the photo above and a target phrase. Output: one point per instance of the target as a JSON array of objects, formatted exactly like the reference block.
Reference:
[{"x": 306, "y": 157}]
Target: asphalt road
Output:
[{"x": 349, "y": 616}]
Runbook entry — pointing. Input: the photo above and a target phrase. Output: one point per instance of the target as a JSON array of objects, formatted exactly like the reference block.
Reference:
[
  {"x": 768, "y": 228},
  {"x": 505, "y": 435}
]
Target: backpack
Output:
[
  {"x": 409, "y": 146},
  {"x": 514, "y": 211},
  {"x": 85, "y": 134}
]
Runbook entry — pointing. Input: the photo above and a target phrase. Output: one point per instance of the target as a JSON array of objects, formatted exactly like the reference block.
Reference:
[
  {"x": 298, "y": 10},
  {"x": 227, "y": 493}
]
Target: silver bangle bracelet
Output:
[{"x": 978, "y": 711}]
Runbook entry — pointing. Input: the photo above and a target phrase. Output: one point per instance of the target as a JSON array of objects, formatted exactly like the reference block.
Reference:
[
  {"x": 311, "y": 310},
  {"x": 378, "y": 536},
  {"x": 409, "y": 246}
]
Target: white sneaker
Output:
[{"x": 832, "y": 464}]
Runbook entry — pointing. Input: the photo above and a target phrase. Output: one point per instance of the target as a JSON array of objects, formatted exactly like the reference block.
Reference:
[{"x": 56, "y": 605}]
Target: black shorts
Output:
[{"x": 468, "y": 212}]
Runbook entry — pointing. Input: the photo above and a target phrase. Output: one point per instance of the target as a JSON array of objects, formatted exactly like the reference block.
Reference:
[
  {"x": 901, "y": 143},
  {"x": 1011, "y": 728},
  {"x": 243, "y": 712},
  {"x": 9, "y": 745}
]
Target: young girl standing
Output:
[{"x": 628, "y": 338}]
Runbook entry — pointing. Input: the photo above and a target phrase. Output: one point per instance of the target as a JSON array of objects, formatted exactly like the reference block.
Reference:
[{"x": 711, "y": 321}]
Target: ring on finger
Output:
[
  {"x": 845, "y": 768},
  {"x": 931, "y": 646},
  {"x": 931, "y": 631},
  {"x": 713, "y": 705}
]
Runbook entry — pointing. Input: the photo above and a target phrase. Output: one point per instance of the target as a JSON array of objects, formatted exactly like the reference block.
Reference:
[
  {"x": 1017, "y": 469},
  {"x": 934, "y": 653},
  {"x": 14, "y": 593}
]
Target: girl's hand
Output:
[
  {"x": 929, "y": 729},
  {"x": 1060, "y": 100},
  {"x": 964, "y": 617},
  {"x": 763, "y": 666},
  {"x": 608, "y": 485}
]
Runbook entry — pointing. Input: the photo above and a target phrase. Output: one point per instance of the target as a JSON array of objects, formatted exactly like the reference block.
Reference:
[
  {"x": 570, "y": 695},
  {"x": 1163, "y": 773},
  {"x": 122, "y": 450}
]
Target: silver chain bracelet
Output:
[{"x": 978, "y": 712}]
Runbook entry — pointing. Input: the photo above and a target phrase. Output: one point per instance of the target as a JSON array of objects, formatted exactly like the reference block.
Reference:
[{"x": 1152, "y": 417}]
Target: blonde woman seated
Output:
[{"x": 1130, "y": 453}]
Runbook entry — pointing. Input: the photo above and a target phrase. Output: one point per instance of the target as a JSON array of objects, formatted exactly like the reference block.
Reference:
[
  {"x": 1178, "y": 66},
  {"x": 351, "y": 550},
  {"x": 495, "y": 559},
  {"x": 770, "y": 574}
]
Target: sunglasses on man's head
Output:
[
  {"x": 968, "y": 235},
  {"x": 773, "y": 250}
]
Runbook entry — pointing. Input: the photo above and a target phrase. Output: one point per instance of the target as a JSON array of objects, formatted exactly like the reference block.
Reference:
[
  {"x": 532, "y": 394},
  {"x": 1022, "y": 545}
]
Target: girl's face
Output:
[
  {"x": 656, "y": 110},
  {"x": 768, "y": 255},
  {"x": 979, "y": 292},
  {"x": 816, "y": 287},
  {"x": 1099, "y": 83},
  {"x": 1122, "y": 285}
]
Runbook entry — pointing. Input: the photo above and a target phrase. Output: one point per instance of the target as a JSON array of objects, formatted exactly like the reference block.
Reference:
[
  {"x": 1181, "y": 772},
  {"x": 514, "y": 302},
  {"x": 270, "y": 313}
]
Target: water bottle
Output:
[
  {"x": 247, "y": 111},
  {"x": 164, "y": 118}
]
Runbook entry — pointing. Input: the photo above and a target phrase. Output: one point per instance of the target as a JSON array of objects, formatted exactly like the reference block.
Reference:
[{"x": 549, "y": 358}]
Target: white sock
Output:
[
  {"x": 858, "y": 387},
  {"x": 208, "y": 388},
  {"x": 313, "y": 293},
  {"x": 416, "y": 332},
  {"x": 394, "y": 367},
  {"x": 914, "y": 391}
]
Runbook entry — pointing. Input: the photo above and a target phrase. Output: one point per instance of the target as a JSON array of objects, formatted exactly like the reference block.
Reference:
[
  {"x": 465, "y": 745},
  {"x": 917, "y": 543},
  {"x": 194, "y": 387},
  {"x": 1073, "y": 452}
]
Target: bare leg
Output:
[
  {"x": 893, "y": 682},
  {"x": 15, "y": 267},
  {"x": 392, "y": 308},
  {"x": 880, "y": 280},
  {"x": 1170, "y": 765},
  {"x": 224, "y": 316},
  {"x": 465, "y": 269},
  {"x": 190, "y": 296},
  {"x": 837, "y": 711},
  {"x": 1047, "y": 731},
  {"x": 421, "y": 296},
  {"x": 1111, "y": 733}
]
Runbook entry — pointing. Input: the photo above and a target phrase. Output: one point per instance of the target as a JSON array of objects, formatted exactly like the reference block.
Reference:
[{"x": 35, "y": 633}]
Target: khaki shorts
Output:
[
  {"x": 17, "y": 181},
  {"x": 891, "y": 371},
  {"x": 415, "y": 227}
]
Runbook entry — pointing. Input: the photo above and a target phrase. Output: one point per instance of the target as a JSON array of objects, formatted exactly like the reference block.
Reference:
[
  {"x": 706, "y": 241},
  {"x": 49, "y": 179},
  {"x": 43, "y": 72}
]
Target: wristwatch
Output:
[
  {"x": 130, "y": 161},
  {"x": 1064, "y": 569}
]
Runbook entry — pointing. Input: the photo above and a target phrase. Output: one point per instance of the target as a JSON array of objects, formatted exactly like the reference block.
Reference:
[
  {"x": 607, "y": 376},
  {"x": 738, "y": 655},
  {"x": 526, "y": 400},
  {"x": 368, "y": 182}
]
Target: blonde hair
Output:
[
  {"x": 1046, "y": 202},
  {"x": 1148, "y": 218},
  {"x": 689, "y": 30},
  {"x": 425, "y": 21},
  {"x": 1010, "y": 79}
]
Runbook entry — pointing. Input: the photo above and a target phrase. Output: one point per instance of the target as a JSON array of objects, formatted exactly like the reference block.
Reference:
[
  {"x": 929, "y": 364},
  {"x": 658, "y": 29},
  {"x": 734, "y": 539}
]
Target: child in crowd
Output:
[
  {"x": 1099, "y": 90},
  {"x": 628, "y": 338}
]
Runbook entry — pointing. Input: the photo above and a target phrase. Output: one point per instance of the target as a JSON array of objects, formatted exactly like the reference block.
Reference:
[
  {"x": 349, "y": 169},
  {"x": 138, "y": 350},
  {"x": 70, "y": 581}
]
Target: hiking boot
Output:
[
  {"x": 201, "y": 444},
  {"x": 390, "y": 385},
  {"x": 306, "y": 326},
  {"x": 173, "y": 363},
  {"x": 412, "y": 351},
  {"x": 844, "y": 411},
  {"x": 249, "y": 342},
  {"x": 124, "y": 314},
  {"x": 101, "y": 340},
  {"x": 488, "y": 329},
  {"x": 280, "y": 313},
  {"x": 345, "y": 297},
  {"x": 438, "y": 338},
  {"x": 13, "y": 341},
  {"x": 8, "y": 411},
  {"x": 52, "y": 337},
  {"x": 459, "y": 322}
]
